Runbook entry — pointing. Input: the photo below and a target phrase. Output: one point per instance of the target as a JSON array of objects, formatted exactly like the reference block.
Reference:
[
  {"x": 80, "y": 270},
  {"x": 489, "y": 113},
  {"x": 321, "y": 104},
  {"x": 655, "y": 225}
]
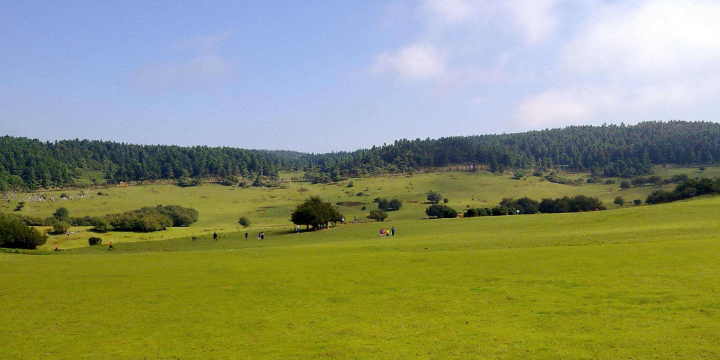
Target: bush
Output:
[
  {"x": 62, "y": 214},
  {"x": 538, "y": 174},
  {"x": 446, "y": 200},
  {"x": 94, "y": 241},
  {"x": 568, "y": 204},
  {"x": 526, "y": 205},
  {"x": 60, "y": 227},
  {"x": 188, "y": 182},
  {"x": 378, "y": 215},
  {"x": 441, "y": 211},
  {"x": 637, "y": 202},
  {"x": 15, "y": 234},
  {"x": 244, "y": 221},
  {"x": 19, "y": 206},
  {"x": 385, "y": 205},
  {"x": 150, "y": 219},
  {"x": 434, "y": 197},
  {"x": 624, "y": 184},
  {"x": 350, "y": 184},
  {"x": 363, "y": 208},
  {"x": 471, "y": 213},
  {"x": 619, "y": 201},
  {"x": 518, "y": 175}
]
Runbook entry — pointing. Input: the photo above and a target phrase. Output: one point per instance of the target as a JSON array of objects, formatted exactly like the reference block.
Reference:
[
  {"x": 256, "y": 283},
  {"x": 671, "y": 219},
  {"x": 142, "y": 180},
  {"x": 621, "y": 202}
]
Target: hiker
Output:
[
  {"x": 262, "y": 235},
  {"x": 259, "y": 236},
  {"x": 111, "y": 245},
  {"x": 246, "y": 235},
  {"x": 355, "y": 221},
  {"x": 215, "y": 236},
  {"x": 55, "y": 248},
  {"x": 342, "y": 220},
  {"x": 382, "y": 232},
  {"x": 297, "y": 229},
  {"x": 392, "y": 231}
]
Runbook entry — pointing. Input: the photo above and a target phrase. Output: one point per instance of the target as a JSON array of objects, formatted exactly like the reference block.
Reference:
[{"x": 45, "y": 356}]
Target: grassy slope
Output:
[
  {"x": 269, "y": 209},
  {"x": 632, "y": 283}
]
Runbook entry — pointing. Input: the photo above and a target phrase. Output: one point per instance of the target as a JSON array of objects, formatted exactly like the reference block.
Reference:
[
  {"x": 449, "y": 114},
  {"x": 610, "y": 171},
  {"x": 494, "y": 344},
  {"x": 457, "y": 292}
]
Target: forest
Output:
[{"x": 607, "y": 150}]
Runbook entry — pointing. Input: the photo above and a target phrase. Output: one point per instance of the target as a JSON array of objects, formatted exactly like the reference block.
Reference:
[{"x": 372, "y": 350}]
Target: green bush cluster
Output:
[
  {"x": 441, "y": 211},
  {"x": 15, "y": 234},
  {"x": 685, "y": 190},
  {"x": 388, "y": 205},
  {"x": 148, "y": 219}
]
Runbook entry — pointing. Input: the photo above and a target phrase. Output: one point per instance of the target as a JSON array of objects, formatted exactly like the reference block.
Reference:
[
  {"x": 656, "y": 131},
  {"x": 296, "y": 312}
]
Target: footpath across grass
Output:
[{"x": 633, "y": 283}]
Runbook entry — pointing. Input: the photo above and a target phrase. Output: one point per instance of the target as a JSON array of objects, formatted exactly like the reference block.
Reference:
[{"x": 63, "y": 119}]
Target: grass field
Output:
[
  {"x": 269, "y": 209},
  {"x": 640, "y": 283}
]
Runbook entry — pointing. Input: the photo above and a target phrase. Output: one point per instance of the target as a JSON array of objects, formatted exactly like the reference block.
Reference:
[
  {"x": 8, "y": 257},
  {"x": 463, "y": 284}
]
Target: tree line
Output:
[{"x": 607, "y": 150}]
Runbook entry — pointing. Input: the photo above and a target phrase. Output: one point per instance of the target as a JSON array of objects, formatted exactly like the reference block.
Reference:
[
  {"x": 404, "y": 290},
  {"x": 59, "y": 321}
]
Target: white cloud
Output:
[
  {"x": 632, "y": 61},
  {"x": 203, "y": 66},
  {"x": 196, "y": 71},
  {"x": 207, "y": 43},
  {"x": 533, "y": 20},
  {"x": 413, "y": 62}
]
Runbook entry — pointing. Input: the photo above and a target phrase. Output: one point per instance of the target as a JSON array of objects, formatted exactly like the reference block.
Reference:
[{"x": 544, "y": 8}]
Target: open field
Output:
[
  {"x": 269, "y": 209},
  {"x": 637, "y": 283}
]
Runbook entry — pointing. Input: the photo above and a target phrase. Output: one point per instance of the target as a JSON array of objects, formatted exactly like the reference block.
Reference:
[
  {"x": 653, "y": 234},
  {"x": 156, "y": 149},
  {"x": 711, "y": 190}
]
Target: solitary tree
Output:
[
  {"x": 316, "y": 213},
  {"x": 434, "y": 197},
  {"x": 61, "y": 214},
  {"x": 619, "y": 200},
  {"x": 378, "y": 215}
]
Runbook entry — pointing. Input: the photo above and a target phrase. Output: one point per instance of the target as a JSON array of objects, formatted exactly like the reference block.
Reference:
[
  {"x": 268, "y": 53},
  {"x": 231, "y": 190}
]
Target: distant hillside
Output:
[{"x": 608, "y": 150}]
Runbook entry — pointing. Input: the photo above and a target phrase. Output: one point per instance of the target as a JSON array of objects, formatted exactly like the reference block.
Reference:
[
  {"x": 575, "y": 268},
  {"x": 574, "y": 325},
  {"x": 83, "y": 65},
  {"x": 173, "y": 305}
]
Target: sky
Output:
[{"x": 321, "y": 76}]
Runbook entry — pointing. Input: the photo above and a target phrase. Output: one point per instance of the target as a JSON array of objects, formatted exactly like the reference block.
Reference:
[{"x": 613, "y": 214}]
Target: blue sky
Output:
[{"x": 321, "y": 76}]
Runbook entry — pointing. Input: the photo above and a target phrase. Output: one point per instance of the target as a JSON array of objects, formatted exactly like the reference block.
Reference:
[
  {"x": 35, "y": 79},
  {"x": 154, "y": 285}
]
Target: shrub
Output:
[
  {"x": 244, "y": 221},
  {"x": 363, "y": 208},
  {"x": 188, "y": 181},
  {"x": 62, "y": 214},
  {"x": 538, "y": 174},
  {"x": 350, "y": 184},
  {"x": 385, "y": 205},
  {"x": 471, "y": 213},
  {"x": 624, "y": 184},
  {"x": 378, "y": 215},
  {"x": 518, "y": 175},
  {"x": 15, "y": 234},
  {"x": 637, "y": 202},
  {"x": 94, "y": 241},
  {"x": 619, "y": 201},
  {"x": 19, "y": 206},
  {"x": 526, "y": 205},
  {"x": 446, "y": 200},
  {"x": 60, "y": 227},
  {"x": 434, "y": 197},
  {"x": 441, "y": 211}
]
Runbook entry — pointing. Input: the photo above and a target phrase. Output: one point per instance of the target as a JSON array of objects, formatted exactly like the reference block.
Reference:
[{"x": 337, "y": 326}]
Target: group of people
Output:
[{"x": 386, "y": 232}]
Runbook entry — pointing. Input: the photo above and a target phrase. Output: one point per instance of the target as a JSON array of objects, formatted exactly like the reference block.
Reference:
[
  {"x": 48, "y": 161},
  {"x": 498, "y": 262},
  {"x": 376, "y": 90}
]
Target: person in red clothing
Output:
[{"x": 111, "y": 245}]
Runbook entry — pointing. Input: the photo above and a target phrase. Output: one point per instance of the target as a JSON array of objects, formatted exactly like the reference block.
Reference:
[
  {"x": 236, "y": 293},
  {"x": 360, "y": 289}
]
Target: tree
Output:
[
  {"x": 316, "y": 213},
  {"x": 244, "y": 221},
  {"x": 434, "y": 197},
  {"x": 60, "y": 227},
  {"x": 378, "y": 215},
  {"x": 619, "y": 201},
  {"x": 624, "y": 184},
  {"x": 61, "y": 214},
  {"x": 15, "y": 234},
  {"x": 637, "y": 202}
]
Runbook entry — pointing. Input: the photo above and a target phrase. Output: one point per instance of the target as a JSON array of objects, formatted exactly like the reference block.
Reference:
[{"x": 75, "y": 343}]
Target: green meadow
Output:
[
  {"x": 269, "y": 208},
  {"x": 636, "y": 282}
]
